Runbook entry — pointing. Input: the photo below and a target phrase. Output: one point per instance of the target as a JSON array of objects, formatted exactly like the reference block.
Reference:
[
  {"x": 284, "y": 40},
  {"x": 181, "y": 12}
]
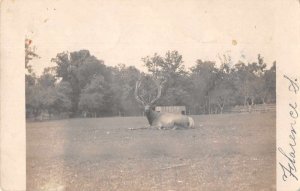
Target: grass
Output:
[{"x": 223, "y": 152}]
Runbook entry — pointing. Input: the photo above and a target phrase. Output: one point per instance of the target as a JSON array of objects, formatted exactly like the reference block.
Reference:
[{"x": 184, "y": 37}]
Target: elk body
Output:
[{"x": 162, "y": 120}]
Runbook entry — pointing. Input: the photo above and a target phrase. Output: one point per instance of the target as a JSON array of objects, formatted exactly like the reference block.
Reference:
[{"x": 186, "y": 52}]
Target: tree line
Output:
[{"x": 82, "y": 85}]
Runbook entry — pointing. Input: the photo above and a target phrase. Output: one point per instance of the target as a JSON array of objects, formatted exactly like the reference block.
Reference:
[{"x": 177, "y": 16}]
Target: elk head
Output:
[{"x": 140, "y": 99}]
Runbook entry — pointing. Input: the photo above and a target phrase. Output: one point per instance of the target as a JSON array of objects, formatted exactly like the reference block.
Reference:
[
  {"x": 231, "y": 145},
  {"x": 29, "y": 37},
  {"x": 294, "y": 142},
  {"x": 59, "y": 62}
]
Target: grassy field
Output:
[{"x": 224, "y": 152}]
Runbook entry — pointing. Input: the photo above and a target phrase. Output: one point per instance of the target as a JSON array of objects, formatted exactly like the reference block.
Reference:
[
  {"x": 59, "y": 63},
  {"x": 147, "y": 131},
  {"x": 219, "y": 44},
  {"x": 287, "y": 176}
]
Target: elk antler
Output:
[
  {"x": 159, "y": 86},
  {"x": 137, "y": 85}
]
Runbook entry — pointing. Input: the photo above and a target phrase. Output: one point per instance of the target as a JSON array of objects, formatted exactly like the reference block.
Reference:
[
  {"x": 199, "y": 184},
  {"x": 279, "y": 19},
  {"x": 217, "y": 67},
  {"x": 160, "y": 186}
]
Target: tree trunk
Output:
[
  {"x": 245, "y": 100},
  {"x": 221, "y": 106},
  {"x": 263, "y": 101},
  {"x": 252, "y": 101},
  {"x": 209, "y": 109}
]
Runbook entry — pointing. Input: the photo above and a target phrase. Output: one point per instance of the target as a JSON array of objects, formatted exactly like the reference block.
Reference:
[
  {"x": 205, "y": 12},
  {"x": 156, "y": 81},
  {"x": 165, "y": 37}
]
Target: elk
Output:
[{"x": 159, "y": 120}]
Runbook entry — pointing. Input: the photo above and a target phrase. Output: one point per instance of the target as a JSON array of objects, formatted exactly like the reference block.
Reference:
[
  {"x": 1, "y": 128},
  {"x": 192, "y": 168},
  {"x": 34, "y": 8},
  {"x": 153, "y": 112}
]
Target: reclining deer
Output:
[{"x": 159, "y": 120}]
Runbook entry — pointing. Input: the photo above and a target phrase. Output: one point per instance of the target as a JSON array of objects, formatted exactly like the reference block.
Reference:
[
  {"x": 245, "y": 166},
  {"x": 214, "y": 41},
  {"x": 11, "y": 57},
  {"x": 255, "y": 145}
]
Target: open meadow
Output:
[{"x": 223, "y": 153}]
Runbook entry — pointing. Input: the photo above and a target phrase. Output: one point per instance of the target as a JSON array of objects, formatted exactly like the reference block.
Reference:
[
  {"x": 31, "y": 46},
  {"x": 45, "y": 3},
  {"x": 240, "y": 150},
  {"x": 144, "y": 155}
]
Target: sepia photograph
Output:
[
  {"x": 130, "y": 95},
  {"x": 151, "y": 95}
]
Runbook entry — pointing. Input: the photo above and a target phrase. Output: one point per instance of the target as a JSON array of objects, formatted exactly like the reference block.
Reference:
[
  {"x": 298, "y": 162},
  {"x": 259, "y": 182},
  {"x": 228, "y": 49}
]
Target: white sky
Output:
[{"x": 124, "y": 31}]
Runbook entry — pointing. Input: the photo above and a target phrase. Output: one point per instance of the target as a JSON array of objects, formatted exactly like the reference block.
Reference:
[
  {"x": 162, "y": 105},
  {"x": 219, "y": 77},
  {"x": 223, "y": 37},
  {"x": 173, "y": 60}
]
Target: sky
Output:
[{"x": 124, "y": 31}]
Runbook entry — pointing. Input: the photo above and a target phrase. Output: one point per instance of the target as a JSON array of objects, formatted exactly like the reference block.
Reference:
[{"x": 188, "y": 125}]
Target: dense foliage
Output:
[{"x": 82, "y": 85}]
